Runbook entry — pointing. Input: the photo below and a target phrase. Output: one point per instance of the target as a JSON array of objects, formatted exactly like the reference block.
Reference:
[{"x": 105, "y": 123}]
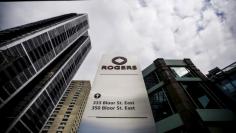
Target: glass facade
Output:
[
  {"x": 36, "y": 72},
  {"x": 15, "y": 70},
  {"x": 160, "y": 104},
  {"x": 174, "y": 87},
  {"x": 24, "y": 60},
  {"x": 199, "y": 96},
  {"x": 229, "y": 85},
  {"x": 38, "y": 113},
  {"x": 151, "y": 80},
  {"x": 39, "y": 50},
  {"x": 225, "y": 79}
]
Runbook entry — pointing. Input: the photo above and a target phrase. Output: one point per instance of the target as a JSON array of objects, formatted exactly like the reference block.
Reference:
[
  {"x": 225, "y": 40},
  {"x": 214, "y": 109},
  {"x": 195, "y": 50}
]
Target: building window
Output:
[
  {"x": 44, "y": 131},
  {"x": 233, "y": 78},
  {"x": 160, "y": 105},
  {"x": 199, "y": 95},
  {"x": 228, "y": 86},
  {"x": 63, "y": 100},
  {"x": 151, "y": 80},
  {"x": 66, "y": 116},
  {"x": 73, "y": 100},
  {"x": 60, "y": 127},
  {"x": 71, "y": 106},
  {"x": 68, "y": 112},
  {"x": 64, "y": 119},
  {"x": 46, "y": 127},
  {"x": 57, "y": 109},
  {"x": 181, "y": 72},
  {"x": 51, "y": 119},
  {"x": 63, "y": 123},
  {"x": 53, "y": 115},
  {"x": 55, "y": 112},
  {"x": 49, "y": 123}
]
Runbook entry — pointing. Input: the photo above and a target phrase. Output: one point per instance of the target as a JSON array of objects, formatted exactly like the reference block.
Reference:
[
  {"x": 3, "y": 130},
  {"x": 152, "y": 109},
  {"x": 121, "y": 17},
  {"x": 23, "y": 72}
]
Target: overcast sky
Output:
[{"x": 203, "y": 30}]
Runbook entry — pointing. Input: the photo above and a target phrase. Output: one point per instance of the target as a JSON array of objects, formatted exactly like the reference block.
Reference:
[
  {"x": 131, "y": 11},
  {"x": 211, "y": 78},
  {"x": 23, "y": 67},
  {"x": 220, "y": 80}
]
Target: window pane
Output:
[
  {"x": 160, "y": 106},
  {"x": 197, "y": 92},
  {"x": 181, "y": 72},
  {"x": 151, "y": 80}
]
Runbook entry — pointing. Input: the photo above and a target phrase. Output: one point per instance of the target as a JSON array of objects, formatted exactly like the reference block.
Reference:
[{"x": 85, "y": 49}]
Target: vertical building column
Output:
[
  {"x": 31, "y": 62},
  {"x": 64, "y": 77},
  {"x": 49, "y": 97},
  {"x": 66, "y": 35},
  {"x": 206, "y": 81},
  {"x": 51, "y": 44},
  {"x": 194, "y": 69},
  {"x": 191, "y": 119}
]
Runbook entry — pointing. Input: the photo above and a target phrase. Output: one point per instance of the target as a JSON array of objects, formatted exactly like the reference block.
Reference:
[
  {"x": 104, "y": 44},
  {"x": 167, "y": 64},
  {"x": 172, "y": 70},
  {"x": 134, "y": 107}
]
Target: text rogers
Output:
[{"x": 110, "y": 67}]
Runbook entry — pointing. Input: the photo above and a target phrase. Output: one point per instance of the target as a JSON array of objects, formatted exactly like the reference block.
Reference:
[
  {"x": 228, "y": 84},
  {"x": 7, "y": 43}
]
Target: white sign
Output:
[{"x": 118, "y": 101}]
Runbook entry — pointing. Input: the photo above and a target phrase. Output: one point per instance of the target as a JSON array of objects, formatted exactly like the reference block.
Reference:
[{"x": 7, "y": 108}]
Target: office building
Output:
[
  {"x": 38, "y": 62},
  {"x": 68, "y": 113},
  {"x": 182, "y": 99},
  {"x": 225, "y": 79}
]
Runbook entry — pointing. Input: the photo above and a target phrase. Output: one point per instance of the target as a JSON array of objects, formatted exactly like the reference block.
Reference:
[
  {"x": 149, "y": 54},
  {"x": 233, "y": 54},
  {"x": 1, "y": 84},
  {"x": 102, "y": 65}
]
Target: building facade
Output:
[
  {"x": 182, "y": 99},
  {"x": 225, "y": 79},
  {"x": 38, "y": 62},
  {"x": 68, "y": 113}
]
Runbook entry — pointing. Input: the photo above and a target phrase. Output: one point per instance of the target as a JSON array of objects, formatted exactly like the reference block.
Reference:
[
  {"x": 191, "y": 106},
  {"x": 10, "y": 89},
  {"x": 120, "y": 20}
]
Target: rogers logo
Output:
[{"x": 119, "y": 60}]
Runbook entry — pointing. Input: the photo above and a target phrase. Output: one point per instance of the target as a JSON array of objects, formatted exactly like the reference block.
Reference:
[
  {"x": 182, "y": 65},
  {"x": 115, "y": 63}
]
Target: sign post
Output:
[{"x": 118, "y": 101}]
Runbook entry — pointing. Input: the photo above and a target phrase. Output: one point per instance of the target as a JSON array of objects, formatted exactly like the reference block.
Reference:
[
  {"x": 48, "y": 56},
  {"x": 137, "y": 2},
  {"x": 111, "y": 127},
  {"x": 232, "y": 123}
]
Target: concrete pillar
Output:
[
  {"x": 206, "y": 81},
  {"x": 182, "y": 104}
]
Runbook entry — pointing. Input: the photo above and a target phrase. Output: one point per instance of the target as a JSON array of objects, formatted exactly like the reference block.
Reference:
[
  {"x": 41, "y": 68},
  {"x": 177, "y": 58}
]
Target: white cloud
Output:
[{"x": 201, "y": 30}]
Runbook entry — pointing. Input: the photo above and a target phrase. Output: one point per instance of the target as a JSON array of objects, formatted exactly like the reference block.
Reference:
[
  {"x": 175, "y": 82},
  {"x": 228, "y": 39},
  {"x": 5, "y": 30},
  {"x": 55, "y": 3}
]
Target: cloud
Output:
[{"x": 203, "y": 30}]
